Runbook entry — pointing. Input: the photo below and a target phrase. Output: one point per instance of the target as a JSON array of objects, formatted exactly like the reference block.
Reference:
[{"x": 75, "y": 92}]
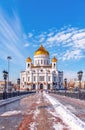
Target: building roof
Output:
[
  {"x": 41, "y": 51},
  {"x": 54, "y": 59},
  {"x": 28, "y": 59}
]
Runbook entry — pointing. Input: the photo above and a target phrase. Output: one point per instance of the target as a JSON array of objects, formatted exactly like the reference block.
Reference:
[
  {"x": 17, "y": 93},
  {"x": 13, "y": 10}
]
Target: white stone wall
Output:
[
  {"x": 41, "y": 60},
  {"x": 41, "y": 68}
]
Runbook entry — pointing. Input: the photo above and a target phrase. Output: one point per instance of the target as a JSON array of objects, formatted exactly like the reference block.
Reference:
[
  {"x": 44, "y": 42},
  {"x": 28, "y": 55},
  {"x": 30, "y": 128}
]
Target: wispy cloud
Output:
[
  {"x": 11, "y": 41},
  {"x": 70, "y": 41},
  {"x": 30, "y": 35},
  {"x": 26, "y": 44}
]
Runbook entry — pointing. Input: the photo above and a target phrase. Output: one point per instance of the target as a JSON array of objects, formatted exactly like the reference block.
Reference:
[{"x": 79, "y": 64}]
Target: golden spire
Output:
[
  {"x": 29, "y": 59},
  {"x": 54, "y": 59},
  {"x": 41, "y": 51}
]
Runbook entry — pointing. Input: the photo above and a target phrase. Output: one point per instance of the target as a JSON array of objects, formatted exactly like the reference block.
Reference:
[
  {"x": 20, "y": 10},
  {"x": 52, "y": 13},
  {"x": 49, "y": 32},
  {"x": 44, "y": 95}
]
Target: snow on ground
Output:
[
  {"x": 58, "y": 126},
  {"x": 10, "y": 113},
  {"x": 33, "y": 126},
  {"x": 55, "y": 117},
  {"x": 38, "y": 102},
  {"x": 70, "y": 119},
  {"x": 36, "y": 112},
  {"x": 1, "y": 128},
  {"x": 71, "y": 108}
]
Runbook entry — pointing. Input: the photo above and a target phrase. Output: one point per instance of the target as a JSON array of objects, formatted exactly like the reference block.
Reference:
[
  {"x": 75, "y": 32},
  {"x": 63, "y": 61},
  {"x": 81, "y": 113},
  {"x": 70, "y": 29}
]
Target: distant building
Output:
[
  {"x": 42, "y": 74},
  {"x": 75, "y": 84},
  {"x": 2, "y": 85}
]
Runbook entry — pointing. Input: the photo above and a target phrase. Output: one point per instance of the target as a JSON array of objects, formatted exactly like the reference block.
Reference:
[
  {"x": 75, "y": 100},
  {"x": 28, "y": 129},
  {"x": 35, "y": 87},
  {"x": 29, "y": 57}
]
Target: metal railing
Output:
[
  {"x": 4, "y": 95},
  {"x": 76, "y": 95}
]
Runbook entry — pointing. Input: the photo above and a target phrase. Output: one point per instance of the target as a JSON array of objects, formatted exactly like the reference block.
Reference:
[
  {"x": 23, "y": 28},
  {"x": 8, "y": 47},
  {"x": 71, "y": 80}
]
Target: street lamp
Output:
[
  {"x": 65, "y": 83},
  {"x": 18, "y": 83},
  {"x": 80, "y": 74},
  {"x": 5, "y": 74},
  {"x": 9, "y": 58}
]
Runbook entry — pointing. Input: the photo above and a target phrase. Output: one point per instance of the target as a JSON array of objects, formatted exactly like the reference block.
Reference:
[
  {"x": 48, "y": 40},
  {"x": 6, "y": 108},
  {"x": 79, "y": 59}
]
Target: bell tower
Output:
[
  {"x": 28, "y": 63},
  {"x": 54, "y": 63}
]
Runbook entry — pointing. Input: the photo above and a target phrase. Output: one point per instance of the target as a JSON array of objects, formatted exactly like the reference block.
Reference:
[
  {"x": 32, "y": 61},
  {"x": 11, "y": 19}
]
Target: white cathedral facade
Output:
[{"x": 43, "y": 74}]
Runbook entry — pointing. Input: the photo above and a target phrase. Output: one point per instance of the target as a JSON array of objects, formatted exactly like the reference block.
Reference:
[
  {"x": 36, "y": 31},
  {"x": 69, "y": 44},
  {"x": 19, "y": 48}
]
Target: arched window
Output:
[
  {"x": 28, "y": 65},
  {"x": 54, "y": 65},
  {"x": 48, "y": 86},
  {"x": 41, "y": 61},
  {"x": 34, "y": 86},
  {"x": 41, "y": 70}
]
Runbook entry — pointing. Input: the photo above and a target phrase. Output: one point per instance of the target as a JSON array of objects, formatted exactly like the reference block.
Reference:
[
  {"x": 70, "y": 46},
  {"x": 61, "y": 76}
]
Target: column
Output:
[
  {"x": 31, "y": 79},
  {"x": 46, "y": 79},
  {"x": 37, "y": 80}
]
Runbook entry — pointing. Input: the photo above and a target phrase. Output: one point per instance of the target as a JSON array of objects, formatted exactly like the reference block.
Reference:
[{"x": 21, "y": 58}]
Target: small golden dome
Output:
[
  {"x": 41, "y": 51},
  {"x": 54, "y": 59},
  {"x": 28, "y": 59}
]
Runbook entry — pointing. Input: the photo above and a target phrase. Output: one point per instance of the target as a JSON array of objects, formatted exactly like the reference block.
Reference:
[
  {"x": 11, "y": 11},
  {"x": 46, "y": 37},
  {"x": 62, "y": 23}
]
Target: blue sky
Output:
[{"x": 59, "y": 25}]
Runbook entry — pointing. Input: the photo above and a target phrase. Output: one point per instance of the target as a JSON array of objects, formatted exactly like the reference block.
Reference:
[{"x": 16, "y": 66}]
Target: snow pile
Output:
[
  {"x": 36, "y": 112},
  {"x": 72, "y": 109},
  {"x": 33, "y": 126},
  {"x": 2, "y": 127},
  {"x": 38, "y": 102},
  {"x": 70, "y": 119},
  {"x": 9, "y": 113},
  {"x": 58, "y": 126}
]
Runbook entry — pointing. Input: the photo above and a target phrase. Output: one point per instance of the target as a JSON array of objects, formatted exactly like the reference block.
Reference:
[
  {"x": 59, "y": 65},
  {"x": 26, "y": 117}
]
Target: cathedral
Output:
[{"x": 42, "y": 74}]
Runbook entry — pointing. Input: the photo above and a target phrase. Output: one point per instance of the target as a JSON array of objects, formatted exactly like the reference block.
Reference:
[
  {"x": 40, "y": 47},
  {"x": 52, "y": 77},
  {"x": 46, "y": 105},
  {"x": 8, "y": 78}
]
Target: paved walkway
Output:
[
  {"x": 76, "y": 106},
  {"x": 35, "y": 112}
]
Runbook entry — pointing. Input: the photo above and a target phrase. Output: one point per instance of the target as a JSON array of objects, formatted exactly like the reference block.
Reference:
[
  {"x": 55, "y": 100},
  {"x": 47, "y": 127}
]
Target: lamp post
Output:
[
  {"x": 65, "y": 82},
  {"x": 9, "y": 58},
  {"x": 18, "y": 85},
  {"x": 80, "y": 74},
  {"x": 5, "y": 74}
]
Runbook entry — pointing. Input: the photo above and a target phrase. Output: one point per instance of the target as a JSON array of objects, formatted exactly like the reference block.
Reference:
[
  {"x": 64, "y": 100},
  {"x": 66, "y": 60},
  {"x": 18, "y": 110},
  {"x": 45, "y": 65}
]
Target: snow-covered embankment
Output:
[{"x": 69, "y": 118}]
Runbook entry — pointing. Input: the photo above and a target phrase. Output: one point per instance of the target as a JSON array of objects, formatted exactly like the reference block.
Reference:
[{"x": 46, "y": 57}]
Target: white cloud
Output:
[
  {"x": 26, "y": 44},
  {"x": 73, "y": 54},
  {"x": 41, "y": 39},
  {"x": 70, "y": 41},
  {"x": 50, "y": 34},
  {"x": 30, "y": 35}
]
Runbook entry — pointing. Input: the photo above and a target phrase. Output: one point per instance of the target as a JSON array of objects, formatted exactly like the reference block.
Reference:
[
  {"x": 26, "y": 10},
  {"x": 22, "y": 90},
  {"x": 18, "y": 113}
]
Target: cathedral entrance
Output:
[
  {"x": 41, "y": 86},
  {"x": 48, "y": 87},
  {"x": 34, "y": 86}
]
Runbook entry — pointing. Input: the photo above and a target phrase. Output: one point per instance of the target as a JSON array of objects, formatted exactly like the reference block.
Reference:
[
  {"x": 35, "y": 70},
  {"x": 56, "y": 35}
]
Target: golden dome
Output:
[
  {"x": 41, "y": 51},
  {"x": 54, "y": 59},
  {"x": 28, "y": 59}
]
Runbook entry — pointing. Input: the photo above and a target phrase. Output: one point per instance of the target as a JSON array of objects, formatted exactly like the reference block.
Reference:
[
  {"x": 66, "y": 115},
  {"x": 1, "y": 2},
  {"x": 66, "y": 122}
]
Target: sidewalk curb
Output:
[{"x": 13, "y": 99}]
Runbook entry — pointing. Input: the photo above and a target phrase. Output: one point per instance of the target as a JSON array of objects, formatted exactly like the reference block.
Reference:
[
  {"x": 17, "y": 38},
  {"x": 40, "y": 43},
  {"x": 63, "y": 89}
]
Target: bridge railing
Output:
[
  {"x": 77, "y": 95},
  {"x": 4, "y": 95}
]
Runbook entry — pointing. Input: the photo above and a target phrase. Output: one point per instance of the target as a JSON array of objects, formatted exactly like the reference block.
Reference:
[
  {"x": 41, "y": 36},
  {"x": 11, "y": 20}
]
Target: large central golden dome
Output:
[{"x": 41, "y": 51}]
